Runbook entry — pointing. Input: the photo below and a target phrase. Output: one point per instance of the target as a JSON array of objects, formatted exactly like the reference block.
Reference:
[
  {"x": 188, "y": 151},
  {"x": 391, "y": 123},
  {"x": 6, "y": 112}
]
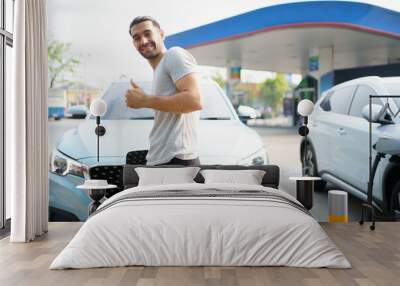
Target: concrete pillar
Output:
[
  {"x": 326, "y": 62},
  {"x": 233, "y": 78}
]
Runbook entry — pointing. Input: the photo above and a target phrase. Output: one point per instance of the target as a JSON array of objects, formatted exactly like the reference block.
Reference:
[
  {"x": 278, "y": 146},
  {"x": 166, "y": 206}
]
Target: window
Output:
[
  {"x": 9, "y": 19},
  {"x": 8, "y": 79},
  {"x": 361, "y": 99},
  {"x": 2, "y": 175},
  {"x": 6, "y": 43},
  {"x": 338, "y": 101}
]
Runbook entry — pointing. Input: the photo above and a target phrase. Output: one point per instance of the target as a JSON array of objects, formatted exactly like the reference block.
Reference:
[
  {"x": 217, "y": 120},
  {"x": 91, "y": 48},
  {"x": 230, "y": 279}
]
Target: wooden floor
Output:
[{"x": 375, "y": 257}]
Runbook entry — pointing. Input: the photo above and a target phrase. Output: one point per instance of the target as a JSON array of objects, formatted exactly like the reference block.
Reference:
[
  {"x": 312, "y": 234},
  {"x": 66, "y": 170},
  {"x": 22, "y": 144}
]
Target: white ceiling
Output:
[{"x": 287, "y": 50}]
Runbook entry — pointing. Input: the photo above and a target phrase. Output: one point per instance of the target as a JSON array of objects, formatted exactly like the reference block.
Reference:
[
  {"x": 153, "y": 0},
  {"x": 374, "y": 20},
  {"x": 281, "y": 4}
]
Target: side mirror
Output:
[
  {"x": 388, "y": 144},
  {"x": 379, "y": 114},
  {"x": 246, "y": 112}
]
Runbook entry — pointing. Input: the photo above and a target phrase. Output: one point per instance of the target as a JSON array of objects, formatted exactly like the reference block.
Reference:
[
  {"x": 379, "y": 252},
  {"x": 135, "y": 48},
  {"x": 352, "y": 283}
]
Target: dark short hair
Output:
[{"x": 140, "y": 19}]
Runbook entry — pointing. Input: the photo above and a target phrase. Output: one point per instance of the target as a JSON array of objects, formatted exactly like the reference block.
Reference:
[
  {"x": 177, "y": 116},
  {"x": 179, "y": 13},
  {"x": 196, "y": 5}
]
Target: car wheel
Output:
[
  {"x": 394, "y": 204},
  {"x": 311, "y": 168}
]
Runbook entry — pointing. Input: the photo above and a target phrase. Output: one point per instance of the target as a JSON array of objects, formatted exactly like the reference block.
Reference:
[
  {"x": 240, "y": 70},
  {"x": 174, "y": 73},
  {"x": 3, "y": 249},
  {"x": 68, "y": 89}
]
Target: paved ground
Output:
[{"x": 283, "y": 148}]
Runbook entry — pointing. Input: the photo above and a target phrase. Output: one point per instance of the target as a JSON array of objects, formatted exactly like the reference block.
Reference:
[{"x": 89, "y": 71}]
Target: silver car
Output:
[{"x": 339, "y": 140}]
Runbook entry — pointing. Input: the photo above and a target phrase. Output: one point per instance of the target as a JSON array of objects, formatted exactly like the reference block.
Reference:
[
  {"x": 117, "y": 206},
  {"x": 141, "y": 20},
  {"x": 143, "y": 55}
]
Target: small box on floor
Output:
[{"x": 338, "y": 207}]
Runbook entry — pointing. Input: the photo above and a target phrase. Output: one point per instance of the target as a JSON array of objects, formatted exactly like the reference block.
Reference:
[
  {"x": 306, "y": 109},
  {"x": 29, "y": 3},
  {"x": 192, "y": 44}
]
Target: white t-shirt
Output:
[{"x": 173, "y": 134}]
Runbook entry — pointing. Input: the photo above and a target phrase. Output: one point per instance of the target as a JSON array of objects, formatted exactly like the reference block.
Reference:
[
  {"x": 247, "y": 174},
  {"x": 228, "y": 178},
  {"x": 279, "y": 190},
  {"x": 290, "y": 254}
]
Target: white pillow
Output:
[
  {"x": 249, "y": 177},
  {"x": 163, "y": 176}
]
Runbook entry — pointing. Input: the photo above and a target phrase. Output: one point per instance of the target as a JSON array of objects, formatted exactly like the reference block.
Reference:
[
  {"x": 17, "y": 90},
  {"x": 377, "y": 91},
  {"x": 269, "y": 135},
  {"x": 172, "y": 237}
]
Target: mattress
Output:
[{"x": 201, "y": 225}]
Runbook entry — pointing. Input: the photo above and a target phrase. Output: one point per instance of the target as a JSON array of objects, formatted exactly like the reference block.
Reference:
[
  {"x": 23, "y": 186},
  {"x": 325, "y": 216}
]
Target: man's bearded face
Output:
[{"x": 147, "y": 39}]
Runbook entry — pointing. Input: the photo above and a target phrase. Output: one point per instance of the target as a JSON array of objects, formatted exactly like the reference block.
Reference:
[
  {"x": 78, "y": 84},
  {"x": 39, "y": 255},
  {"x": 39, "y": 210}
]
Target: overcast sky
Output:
[{"x": 98, "y": 29}]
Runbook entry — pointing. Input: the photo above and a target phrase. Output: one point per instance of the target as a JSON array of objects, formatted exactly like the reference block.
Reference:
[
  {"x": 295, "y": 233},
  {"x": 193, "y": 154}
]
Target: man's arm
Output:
[{"x": 187, "y": 99}]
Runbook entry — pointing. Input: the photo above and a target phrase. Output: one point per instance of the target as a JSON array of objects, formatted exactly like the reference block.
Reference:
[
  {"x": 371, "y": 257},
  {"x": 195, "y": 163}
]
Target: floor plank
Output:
[{"x": 374, "y": 255}]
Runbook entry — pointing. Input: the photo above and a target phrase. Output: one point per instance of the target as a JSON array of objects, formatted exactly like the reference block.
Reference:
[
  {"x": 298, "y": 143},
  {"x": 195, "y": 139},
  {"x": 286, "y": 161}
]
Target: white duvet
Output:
[{"x": 182, "y": 231}]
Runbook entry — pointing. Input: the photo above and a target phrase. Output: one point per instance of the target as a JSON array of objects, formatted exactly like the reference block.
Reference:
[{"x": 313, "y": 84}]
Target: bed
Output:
[{"x": 201, "y": 224}]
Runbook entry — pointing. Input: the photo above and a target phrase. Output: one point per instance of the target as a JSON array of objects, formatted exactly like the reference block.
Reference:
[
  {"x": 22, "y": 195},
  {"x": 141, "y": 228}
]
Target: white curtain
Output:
[{"x": 26, "y": 123}]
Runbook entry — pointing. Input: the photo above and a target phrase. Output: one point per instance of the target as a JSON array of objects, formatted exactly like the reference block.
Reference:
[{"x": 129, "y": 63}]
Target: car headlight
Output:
[
  {"x": 62, "y": 165},
  {"x": 257, "y": 158}
]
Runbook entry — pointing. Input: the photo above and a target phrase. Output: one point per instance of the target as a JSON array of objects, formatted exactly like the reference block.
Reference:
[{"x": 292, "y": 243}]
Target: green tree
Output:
[
  {"x": 218, "y": 78},
  {"x": 58, "y": 62},
  {"x": 272, "y": 91}
]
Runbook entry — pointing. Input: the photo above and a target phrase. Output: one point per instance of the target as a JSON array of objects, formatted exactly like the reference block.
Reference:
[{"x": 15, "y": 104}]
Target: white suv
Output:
[{"x": 339, "y": 140}]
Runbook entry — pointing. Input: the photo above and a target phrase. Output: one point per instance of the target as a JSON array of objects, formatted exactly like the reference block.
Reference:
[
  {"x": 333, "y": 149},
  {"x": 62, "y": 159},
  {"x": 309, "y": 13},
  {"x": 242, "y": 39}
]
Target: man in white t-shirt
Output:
[{"x": 175, "y": 96}]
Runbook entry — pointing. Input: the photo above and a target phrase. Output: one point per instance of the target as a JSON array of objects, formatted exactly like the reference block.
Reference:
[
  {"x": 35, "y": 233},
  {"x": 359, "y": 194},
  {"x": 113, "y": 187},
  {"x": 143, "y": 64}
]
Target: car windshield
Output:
[
  {"x": 215, "y": 107},
  {"x": 394, "y": 89}
]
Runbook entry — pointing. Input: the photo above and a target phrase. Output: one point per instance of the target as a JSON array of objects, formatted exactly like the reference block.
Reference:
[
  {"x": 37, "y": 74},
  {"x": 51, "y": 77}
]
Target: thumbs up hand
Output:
[{"x": 135, "y": 97}]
